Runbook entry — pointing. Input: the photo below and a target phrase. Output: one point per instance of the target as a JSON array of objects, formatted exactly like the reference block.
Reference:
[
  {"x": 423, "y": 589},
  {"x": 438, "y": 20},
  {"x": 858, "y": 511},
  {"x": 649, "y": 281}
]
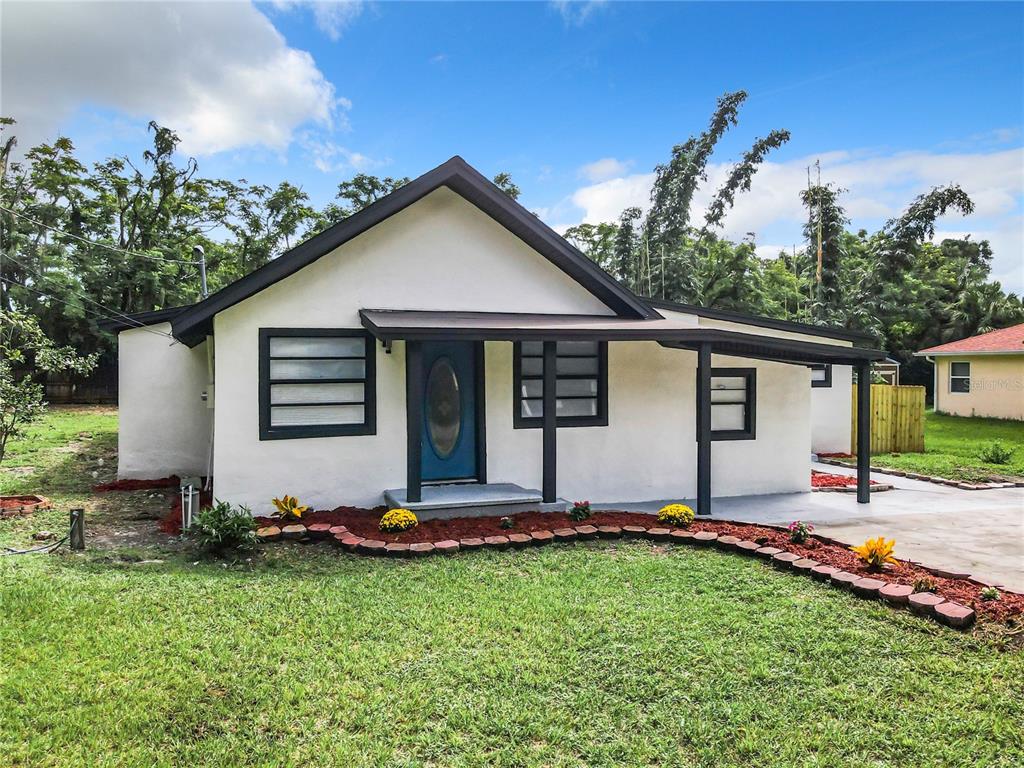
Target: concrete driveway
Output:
[{"x": 975, "y": 532}]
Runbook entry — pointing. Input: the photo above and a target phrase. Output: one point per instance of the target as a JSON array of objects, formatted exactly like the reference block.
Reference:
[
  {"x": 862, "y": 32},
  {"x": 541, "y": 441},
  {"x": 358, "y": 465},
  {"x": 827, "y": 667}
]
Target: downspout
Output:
[
  {"x": 211, "y": 396},
  {"x": 935, "y": 382}
]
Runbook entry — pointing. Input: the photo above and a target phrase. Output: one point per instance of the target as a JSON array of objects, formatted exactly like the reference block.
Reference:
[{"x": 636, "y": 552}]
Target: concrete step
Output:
[{"x": 472, "y": 500}]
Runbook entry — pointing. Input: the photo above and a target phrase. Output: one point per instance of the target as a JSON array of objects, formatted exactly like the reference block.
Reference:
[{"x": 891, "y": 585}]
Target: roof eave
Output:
[{"x": 191, "y": 327}]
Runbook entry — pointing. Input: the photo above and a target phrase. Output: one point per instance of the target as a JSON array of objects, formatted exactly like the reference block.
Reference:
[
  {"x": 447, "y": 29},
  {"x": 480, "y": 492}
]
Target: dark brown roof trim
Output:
[
  {"x": 532, "y": 328},
  {"x": 762, "y": 322},
  {"x": 139, "y": 319},
  {"x": 456, "y": 174}
]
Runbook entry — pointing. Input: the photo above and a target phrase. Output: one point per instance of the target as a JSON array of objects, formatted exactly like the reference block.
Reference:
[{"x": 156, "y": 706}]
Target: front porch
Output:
[{"x": 422, "y": 330}]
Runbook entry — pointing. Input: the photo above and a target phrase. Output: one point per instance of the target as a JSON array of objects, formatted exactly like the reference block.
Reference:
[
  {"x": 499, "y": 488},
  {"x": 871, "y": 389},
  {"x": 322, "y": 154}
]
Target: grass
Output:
[
  {"x": 952, "y": 448},
  {"x": 598, "y": 654}
]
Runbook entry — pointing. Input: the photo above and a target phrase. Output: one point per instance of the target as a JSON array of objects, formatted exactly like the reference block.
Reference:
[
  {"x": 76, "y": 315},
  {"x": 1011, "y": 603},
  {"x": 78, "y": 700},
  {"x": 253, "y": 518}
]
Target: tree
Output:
[
  {"x": 597, "y": 241},
  {"x": 24, "y": 349},
  {"x": 504, "y": 182},
  {"x": 357, "y": 193},
  {"x": 826, "y": 225}
]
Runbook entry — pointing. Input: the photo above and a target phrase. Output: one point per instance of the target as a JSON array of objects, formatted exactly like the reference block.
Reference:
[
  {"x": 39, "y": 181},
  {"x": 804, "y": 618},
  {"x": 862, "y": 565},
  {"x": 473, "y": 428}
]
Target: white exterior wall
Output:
[
  {"x": 831, "y": 413},
  {"x": 442, "y": 253},
  {"x": 164, "y": 424}
]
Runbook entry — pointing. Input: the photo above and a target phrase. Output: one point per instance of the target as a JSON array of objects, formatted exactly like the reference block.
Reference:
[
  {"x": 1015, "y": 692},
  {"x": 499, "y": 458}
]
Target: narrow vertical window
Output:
[
  {"x": 821, "y": 375},
  {"x": 733, "y": 400},
  {"x": 960, "y": 377}
]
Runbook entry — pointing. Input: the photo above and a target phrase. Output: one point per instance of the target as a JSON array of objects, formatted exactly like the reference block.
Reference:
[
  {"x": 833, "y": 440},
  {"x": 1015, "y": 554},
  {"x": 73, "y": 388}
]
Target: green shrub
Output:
[
  {"x": 996, "y": 452},
  {"x": 223, "y": 527}
]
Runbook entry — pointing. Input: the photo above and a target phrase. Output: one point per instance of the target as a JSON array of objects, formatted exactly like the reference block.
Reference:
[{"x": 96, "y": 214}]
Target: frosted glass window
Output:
[
  {"x": 308, "y": 415},
  {"x": 727, "y": 417},
  {"x": 326, "y": 346},
  {"x": 317, "y": 369},
  {"x": 284, "y": 394},
  {"x": 316, "y": 385}
]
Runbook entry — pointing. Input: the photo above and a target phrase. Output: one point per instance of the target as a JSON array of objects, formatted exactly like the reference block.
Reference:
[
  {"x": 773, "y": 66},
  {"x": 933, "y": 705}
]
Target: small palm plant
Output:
[
  {"x": 288, "y": 509},
  {"x": 876, "y": 552}
]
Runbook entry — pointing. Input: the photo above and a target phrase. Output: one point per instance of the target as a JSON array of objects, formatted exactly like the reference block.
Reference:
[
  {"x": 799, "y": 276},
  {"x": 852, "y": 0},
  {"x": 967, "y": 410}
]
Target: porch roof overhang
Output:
[{"x": 389, "y": 325}]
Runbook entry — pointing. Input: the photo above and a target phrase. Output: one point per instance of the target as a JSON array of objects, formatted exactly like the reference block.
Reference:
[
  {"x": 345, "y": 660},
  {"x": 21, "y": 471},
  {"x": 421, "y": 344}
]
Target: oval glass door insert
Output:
[{"x": 443, "y": 407}]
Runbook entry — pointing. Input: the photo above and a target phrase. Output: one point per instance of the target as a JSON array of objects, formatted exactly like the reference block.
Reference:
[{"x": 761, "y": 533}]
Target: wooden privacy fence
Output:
[{"x": 897, "y": 419}]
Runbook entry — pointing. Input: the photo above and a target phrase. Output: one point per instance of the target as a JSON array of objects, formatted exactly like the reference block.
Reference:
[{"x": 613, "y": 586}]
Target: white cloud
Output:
[
  {"x": 219, "y": 74},
  {"x": 332, "y": 17},
  {"x": 330, "y": 157},
  {"x": 576, "y": 12},
  {"x": 605, "y": 168},
  {"x": 878, "y": 187}
]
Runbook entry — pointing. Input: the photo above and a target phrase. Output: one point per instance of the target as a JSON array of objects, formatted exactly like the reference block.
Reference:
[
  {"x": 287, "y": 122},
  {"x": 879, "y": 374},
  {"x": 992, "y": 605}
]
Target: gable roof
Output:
[
  {"x": 1005, "y": 341},
  {"x": 194, "y": 324}
]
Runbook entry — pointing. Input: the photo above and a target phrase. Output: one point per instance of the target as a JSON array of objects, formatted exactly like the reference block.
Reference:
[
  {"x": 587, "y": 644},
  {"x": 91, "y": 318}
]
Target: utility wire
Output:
[
  {"x": 130, "y": 320},
  {"x": 93, "y": 242},
  {"x": 93, "y": 312}
]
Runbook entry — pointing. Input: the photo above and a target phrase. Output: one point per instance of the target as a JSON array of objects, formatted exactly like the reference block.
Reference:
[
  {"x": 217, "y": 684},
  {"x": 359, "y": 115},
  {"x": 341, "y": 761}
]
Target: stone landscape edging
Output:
[
  {"x": 39, "y": 502},
  {"x": 963, "y": 486},
  {"x": 944, "y": 611}
]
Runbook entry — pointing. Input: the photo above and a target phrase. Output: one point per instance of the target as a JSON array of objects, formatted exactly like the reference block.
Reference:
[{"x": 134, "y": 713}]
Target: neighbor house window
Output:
[
  {"x": 581, "y": 384},
  {"x": 316, "y": 382},
  {"x": 733, "y": 396},
  {"x": 960, "y": 377},
  {"x": 821, "y": 375}
]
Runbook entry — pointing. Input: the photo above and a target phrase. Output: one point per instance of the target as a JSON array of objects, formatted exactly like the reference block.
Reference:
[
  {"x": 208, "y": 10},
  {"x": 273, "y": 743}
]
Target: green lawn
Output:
[
  {"x": 598, "y": 654},
  {"x": 952, "y": 446}
]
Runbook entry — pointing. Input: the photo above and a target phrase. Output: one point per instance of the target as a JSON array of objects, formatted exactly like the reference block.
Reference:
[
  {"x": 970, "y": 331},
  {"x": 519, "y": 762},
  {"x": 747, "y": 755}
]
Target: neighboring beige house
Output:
[{"x": 982, "y": 375}]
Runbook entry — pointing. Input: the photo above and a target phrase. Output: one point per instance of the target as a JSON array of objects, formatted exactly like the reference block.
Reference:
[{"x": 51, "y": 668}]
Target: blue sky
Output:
[{"x": 578, "y": 101}]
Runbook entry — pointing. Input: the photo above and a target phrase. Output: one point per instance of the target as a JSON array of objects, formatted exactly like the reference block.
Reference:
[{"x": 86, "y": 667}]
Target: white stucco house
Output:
[{"x": 445, "y": 341}]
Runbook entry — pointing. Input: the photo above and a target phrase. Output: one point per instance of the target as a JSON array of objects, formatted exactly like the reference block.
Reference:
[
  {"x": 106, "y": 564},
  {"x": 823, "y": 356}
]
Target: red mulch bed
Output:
[
  {"x": 835, "y": 456},
  {"x": 138, "y": 485},
  {"x": 363, "y": 522},
  {"x": 827, "y": 480},
  {"x": 10, "y": 502}
]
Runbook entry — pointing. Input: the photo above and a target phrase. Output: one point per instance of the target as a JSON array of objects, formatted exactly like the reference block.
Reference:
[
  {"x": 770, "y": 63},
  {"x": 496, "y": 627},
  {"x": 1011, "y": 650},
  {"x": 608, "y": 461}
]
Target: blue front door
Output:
[{"x": 449, "y": 432}]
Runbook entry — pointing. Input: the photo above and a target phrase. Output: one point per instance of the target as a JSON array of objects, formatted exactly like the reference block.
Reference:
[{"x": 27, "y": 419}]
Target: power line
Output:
[
  {"x": 140, "y": 327},
  {"x": 93, "y": 242},
  {"x": 86, "y": 298}
]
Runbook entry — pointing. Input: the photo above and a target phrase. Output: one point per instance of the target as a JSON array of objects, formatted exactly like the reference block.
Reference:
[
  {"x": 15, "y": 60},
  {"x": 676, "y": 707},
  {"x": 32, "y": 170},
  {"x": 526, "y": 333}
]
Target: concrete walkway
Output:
[{"x": 975, "y": 532}]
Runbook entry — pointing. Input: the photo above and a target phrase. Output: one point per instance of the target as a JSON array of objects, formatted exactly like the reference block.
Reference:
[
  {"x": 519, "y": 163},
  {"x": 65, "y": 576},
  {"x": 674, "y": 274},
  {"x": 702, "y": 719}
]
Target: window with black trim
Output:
[
  {"x": 733, "y": 400},
  {"x": 960, "y": 377},
  {"x": 581, "y": 384},
  {"x": 821, "y": 375},
  {"x": 316, "y": 382}
]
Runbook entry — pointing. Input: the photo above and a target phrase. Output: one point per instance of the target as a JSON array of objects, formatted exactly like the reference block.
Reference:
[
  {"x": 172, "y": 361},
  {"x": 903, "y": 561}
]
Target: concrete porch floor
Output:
[
  {"x": 471, "y": 500},
  {"x": 975, "y": 532}
]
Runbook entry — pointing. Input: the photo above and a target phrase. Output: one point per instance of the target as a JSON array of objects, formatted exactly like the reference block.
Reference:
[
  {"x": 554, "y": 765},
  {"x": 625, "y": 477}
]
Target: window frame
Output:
[
  {"x": 749, "y": 431},
  {"x": 300, "y": 431},
  {"x": 600, "y": 419},
  {"x": 951, "y": 377},
  {"x": 825, "y": 383}
]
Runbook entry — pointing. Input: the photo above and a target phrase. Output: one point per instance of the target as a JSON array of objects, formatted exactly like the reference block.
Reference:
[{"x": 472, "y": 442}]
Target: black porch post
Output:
[
  {"x": 550, "y": 454},
  {"x": 414, "y": 418},
  {"x": 864, "y": 433},
  {"x": 704, "y": 429}
]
